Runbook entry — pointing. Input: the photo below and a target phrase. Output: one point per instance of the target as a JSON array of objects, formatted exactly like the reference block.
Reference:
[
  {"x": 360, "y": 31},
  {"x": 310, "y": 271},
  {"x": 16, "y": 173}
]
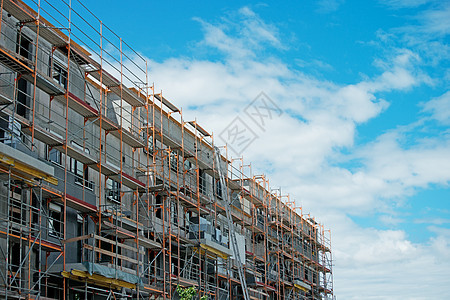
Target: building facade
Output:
[{"x": 108, "y": 193}]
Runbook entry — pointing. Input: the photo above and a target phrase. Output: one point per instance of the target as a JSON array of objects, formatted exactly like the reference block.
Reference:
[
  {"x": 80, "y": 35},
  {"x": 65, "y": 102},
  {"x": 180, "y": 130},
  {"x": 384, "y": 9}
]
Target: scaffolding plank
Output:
[
  {"x": 163, "y": 137},
  {"x": 51, "y": 34},
  {"x": 184, "y": 282},
  {"x": 199, "y": 128},
  {"x": 167, "y": 103},
  {"x": 14, "y": 61},
  {"x": 17, "y": 9},
  {"x": 50, "y": 192},
  {"x": 234, "y": 184},
  {"x": 129, "y": 138},
  {"x": 27, "y": 16},
  {"x": 130, "y": 97},
  {"x": 79, "y": 204},
  {"x": 78, "y": 105},
  {"x": 111, "y": 242},
  {"x": 44, "y": 135},
  {"x": 78, "y": 238},
  {"x": 106, "y": 78},
  {"x": 147, "y": 243},
  {"x": 18, "y": 118},
  {"x": 82, "y": 58},
  {"x": 120, "y": 232},
  {"x": 45, "y": 83},
  {"x": 107, "y": 124},
  {"x": 78, "y": 154},
  {"x": 4, "y": 100},
  {"x": 125, "y": 221},
  {"x": 153, "y": 289},
  {"x": 129, "y": 181},
  {"x": 105, "y": 168},
  {"x": 156, "y": 188}
]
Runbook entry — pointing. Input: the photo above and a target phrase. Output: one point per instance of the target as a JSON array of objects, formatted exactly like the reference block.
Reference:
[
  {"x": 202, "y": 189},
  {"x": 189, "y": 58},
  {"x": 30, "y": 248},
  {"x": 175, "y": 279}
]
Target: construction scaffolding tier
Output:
[{"x": 107, "y": 192}]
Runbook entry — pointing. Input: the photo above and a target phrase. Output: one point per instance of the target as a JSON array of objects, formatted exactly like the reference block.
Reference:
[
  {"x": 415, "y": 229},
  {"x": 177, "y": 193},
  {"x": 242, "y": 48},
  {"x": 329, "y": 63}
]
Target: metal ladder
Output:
[{"x": 231, "y": 233}]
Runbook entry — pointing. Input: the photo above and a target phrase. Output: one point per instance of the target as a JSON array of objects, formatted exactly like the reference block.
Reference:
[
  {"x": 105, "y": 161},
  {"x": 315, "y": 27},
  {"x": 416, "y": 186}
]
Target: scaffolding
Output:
[{"x": 107, "y": 192}]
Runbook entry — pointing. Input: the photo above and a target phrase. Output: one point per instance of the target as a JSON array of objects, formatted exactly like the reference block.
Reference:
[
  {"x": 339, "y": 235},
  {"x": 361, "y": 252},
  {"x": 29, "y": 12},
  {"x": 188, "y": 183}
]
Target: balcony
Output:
[{"x": 210, "y": 238}]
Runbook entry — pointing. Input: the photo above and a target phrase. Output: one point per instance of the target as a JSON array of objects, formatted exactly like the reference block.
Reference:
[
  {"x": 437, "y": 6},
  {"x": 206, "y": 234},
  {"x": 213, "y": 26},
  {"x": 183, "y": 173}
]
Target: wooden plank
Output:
[
  {"x": 149, "y": 244},
  {"x": 119, "y": 230},
  {"x": 123, "y": 216},
  {"x": 112, "y": 254},
  {"x": 128, "y": 247},
  {"x": 78, "y": 238}
]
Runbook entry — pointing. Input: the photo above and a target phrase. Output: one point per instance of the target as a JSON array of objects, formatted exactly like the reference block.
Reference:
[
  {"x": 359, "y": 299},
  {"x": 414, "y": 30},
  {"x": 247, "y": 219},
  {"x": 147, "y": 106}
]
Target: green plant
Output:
[{"x": 188, "y": 293}]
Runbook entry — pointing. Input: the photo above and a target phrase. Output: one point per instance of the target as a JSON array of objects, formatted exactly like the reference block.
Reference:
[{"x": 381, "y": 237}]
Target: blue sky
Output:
[{"x": 363, "y": 143}]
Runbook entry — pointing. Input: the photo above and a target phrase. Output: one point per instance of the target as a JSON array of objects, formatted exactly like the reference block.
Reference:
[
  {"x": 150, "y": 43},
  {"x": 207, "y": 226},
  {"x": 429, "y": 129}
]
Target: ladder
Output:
[{"x": 231, "y": 233}]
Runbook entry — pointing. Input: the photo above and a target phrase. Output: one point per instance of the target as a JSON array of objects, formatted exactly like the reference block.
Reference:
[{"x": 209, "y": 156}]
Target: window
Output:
[
  {"x": 77, "y": 169},
  {"x": 23, "y": 98},
  {"x": 81, "y": 173},
  {"x": 55, "y": 224},
  {"x": 173, "y": 161},
  {"x": 150, "y": 144},
  {"x": 24, "y": 46},
  {"x": 112, "y": 190},
  {"x": 202, "y": 181},
  {"x": 34, "y": 210},
  {"x": 158, "y": 206},
  {"x": 54, "y": 156},
  {"x": 174, "y": 212},
  {"x": 218, "y": 189},
  {"x": 17, "y": 215},
  {"x": 187, "y": 165},
  {"x": 15, "y": 257},
  {"x": 80, "y": 221},
  {"x": 59, "y": 75}
]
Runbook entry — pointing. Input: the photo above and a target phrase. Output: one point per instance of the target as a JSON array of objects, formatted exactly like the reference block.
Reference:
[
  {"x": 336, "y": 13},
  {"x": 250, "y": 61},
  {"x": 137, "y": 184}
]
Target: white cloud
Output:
[
  {"x": 439, "y": 108},
  {"x": 384, "y": 264},
  {"x": 437, "y": 21},
  {"x": 250, "y": 35},
  {"x": 435, "y": 221},
  {"x": 425, "y": 31},
  {"x": 314, "y": 63},
  {"x": 328, "y": 6},
  {"x": 397, "y": 4},
  {"x": 416, "y": 166},
  {"x": 441, "y": 243},
  {"x": 390, "y": 220}
]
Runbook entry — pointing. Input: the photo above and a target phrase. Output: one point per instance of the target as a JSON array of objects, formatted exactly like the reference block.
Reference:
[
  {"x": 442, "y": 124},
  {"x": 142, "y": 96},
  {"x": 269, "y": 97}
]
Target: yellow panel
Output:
[
  {"x": 300, "y": 287},
  {"x": 103, "y": 280},
  {"x": 33, "y": 173},
  {"x": 215, "y": 251},
  {"x": 6, "y": 160}
]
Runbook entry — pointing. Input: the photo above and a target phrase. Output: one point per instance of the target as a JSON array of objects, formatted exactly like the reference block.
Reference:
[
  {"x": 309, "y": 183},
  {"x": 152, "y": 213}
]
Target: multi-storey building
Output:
[{"x": 107, "y": 192}]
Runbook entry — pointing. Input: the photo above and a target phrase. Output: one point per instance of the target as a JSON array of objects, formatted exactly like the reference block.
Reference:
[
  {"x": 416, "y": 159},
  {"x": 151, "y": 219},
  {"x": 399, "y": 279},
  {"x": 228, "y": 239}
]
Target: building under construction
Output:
[{"x": 106, "y": 192}]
